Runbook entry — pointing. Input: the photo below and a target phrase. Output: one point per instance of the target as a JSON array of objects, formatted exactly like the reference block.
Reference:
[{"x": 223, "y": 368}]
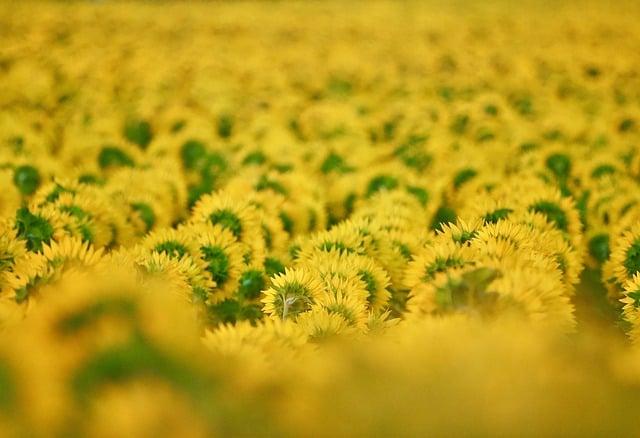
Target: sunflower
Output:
[
  {"x": 146, "y": 214},
  {"x": 29, "y": 175},
  {"x": 146, "y": 196},
  {"x": 396, "y": 248},
  {"x": 559, "y": 211},
  {"x": 37, "y": 269},
  {"x": 222, "y": 256},
  {"x": 158, "y": 271},
  {"x": 460, "y": 232},
  {"x": 72, "y": 251},
  {"x": 435, "y": 259},
  {"x": 536, "y": 293},
  {"x": 495, "y": 288},
  {"x": 449, "y": 292},
  {"x": 86, "y": 216},
  {"x": 527, "y": 239},
  {"x": 320, "y": 325},
  {"x": 291, "y": 293},
  {"x": 269, "y": 207},
  {"x": 335, "y": 265},
  {"x": 176, "y": 243},
  {"x": 376, "y": 279},
  {"x": 356, "y": 237},
  {"x": 171, "y": 186},
  {"x": 51, "y": 191},
  {"x": 341, "y": 299},
  {"x": 240, "y": 217},
  {"x": 394, "y": 210},
  {"x": 39, "y": 227}
]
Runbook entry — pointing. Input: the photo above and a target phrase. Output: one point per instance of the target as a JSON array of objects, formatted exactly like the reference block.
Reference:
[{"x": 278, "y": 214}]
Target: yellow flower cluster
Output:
[{"x": 327, "y": 219}]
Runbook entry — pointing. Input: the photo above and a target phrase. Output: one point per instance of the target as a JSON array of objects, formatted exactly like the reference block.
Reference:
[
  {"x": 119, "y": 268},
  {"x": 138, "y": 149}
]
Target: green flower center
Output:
[
  {"x": 421, "y": 194},
  {"x": 273, "y": 266},
  {"x": 26, "y": 179},
  {"x": 172, "y": 248},
  {"x": 441, "y": 264},
  {"x": 602, "y": 170},
  {"x": 287, "y": 222},
  {"x": 335, "y": 162},
  {"x": 465, "y": 236},
  {"x": 74, "y": 211},
  {"x": 192, "y": 153},
  {"x": 227, "y": 219},
  {"x": 349, "y": 203},
  {"x": 225, "y": 126},
  {"x": 496, "y": 215},
  {"x": 491, "y": 110},
  {"x": 404, "y": 249},
  {"x": 178, "y": 126},
  {"x": 381, "y": 182},
  {"x": 464, "y": 176},
  {"x": 217, "y": 263},
  {"x": 559, "y": 164},
  {"x": 294, "y": 251},
  {"x": 626, "y": 125},
  {"x": 553, "y": 213},
  {"x": 443, "y": 215},
  {"x": 599, "y": 247},
  {"x": 635, "y": 295},
  {"x": 138, "y": 132},
  {"x": 342, "y": 310},
  {"x": 313, "y": 220},
  {"x": 632, "y": 259},
  {"x": 268, "y": 184},
  {"x": 370, "y": 281},
  {"x": 226, "y": 312},
  {"x": 32, "y": 228},
  {"x": 111, "y": 156},
  {"x": 90, "y": 179},
  {"x": 330, "y": 245},
  {"x": 459, "y": 124},
  {"x": 257, "y": 157},
  {"x": 146, "y": 214},
  {"x": 251, "y": 284},
  {"x": 268, "y": 238},
  {"x": 56, "y": 192}
]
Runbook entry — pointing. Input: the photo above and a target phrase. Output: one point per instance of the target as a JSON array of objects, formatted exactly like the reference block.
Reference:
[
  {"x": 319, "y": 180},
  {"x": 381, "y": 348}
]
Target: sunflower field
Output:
[{"x": 323, "y": 219}]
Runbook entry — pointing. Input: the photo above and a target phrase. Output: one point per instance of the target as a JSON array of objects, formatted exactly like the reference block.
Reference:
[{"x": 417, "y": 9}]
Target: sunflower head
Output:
[{"x": 291, "y": 293}]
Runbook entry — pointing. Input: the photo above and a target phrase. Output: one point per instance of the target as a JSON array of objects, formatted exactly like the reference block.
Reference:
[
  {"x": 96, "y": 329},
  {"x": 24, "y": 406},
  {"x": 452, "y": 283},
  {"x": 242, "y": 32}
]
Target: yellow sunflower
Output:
[
  {"x": 238, "y": 216},
  {"x": 222, "y": 256},
  {"x": 34, "y": 270},
  {"x": 321, "y": 325},
  {"x": 291, "y": 293}
]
